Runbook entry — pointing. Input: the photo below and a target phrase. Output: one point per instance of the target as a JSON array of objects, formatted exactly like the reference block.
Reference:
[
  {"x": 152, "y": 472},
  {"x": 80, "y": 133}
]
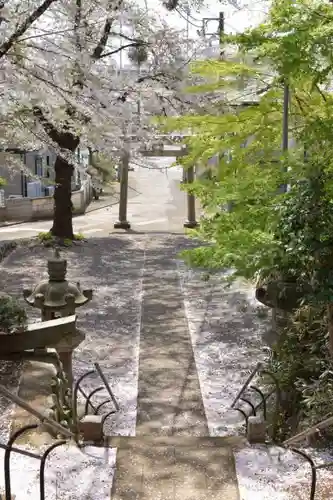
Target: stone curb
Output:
[{"x": 6, "y": 249}]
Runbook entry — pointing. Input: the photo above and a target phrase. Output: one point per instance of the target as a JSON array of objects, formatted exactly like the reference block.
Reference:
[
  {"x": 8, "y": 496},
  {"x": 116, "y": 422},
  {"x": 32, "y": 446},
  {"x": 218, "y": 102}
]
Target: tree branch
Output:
[
  {"x": 100, "y": 47},
  {"x": 115, "y": 51},
  {"x": 22, "y": 28},
  {"x": 77, "y": 24},
  {"x": 49, "y": 128}
]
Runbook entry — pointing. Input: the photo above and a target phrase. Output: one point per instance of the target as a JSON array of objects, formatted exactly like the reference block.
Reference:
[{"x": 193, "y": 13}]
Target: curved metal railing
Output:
[
  {"x": 244, "y": 397},
  {"x": 10, "y": 448}
]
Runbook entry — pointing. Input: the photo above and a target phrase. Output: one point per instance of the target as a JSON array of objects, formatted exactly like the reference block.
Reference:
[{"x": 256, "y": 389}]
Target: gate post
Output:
[
  {"x": 191, "y": 222},
  {"x": 123, "y": 223}
]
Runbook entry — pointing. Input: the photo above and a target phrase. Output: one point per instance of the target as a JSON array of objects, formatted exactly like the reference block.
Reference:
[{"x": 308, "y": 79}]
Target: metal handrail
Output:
[
  {"x": 308, "y": 432},
  {"x": 14, "y": 436},
  {"x": 313, "y": 471},
  {"x": 264, "y": 397},
  {"x": 77, "y": 388},
  {"x": 246, "y": 384}
]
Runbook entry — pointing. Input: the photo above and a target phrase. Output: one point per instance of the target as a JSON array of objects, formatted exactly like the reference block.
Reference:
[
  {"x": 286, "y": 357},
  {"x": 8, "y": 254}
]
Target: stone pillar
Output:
[
  {"x": 123, "y": 223},
  {"x": 191, "y": 220},
  {"x": 67, "y": 364},
  {"x": 65, "y": 350},
  {"x": 256, "y": 430}
]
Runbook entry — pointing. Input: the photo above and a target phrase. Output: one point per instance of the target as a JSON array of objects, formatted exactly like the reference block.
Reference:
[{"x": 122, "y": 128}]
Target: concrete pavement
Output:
[{"x": 155, "y": 203}]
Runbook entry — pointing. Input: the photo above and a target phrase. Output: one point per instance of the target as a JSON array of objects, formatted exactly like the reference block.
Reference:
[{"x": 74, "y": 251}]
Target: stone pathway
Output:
[
  {"x": 169, "y": 403},
  {"x": 137, "y": 329},
  {"x": 169, "y": 396},
  {"x": 178, "y": 468}
]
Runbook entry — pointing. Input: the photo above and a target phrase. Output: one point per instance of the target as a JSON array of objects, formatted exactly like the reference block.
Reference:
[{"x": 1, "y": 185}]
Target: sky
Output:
[
  {"x": 251, "y": 13},
  {"x": 236, "y": 20}
]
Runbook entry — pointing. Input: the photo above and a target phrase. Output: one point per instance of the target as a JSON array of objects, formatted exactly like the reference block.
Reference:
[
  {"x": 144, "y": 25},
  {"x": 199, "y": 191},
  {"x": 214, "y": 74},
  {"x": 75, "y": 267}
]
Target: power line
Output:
[{"x": 187, "y": 20}]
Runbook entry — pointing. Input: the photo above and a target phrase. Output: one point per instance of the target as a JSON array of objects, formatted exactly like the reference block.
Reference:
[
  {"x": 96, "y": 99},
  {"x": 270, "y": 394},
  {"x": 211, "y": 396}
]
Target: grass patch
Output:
[{"x": 48, "y": 240}]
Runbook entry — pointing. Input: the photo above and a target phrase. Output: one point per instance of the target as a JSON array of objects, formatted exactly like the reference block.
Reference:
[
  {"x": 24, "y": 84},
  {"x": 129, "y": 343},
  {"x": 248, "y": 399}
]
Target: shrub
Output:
[
  {"x": 12, "y": 314},
  {"x": 302, "y": 364}
]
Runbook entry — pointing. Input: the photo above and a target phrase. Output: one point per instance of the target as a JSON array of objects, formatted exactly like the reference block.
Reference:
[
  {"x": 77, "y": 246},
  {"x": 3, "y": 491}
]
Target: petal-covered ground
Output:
[{"x": 229, "y": 333}]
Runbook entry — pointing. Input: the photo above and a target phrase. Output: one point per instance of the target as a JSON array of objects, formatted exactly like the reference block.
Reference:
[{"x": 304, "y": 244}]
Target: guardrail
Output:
[{"x": 10, "y": 448}]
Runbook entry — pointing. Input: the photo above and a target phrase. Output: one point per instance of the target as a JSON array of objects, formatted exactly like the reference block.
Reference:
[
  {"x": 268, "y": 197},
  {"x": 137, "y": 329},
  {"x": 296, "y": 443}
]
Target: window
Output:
[
  {"x": 48, "y": 161},
  {"x": 38, "y": 166}
]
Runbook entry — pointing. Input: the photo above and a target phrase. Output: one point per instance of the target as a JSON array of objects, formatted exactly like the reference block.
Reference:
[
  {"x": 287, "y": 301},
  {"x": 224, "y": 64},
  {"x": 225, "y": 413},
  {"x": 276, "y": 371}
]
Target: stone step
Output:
[
  {"x": 177, "y": 471},
  {"x": 130, "y": 442}
]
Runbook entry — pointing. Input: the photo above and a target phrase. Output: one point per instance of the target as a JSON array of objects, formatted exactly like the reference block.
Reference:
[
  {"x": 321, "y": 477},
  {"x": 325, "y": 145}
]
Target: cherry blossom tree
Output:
[{"x": 61, "y": 84}]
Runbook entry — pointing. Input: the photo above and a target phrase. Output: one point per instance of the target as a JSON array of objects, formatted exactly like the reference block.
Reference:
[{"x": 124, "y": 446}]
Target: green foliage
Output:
[
  {"x": 104, "y": 167},
  {"x": 12, "y": 314},
  {"x": 45, "y": 236},
  {"x": 251, "y": 237},
  {"x": 47, "y": 239},
  {"x": 3, "y": 181},
  {"x": 79, "y": 237},
  {"x": 304, "y": 235},
  {"x": 301, "y": 362},
  {"x": 249, "y": 222}
]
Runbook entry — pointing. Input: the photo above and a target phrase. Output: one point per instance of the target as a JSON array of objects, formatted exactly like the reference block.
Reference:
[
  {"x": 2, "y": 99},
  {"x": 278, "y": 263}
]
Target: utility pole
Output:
[
  {"x": 221, "y": 33},
  {"x": 285, "y": 126}
]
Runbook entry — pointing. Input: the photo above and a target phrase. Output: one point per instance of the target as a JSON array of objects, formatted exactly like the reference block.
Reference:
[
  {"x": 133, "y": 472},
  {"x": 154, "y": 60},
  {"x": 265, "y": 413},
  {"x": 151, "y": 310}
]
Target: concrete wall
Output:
[{"x": 28, "y": 209}]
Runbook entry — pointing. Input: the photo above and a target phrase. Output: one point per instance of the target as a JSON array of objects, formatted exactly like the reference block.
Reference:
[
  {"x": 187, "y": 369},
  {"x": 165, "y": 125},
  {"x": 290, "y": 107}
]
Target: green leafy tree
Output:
[
  {"x": 251, "y": 225},
  {"x": 292, "y": 46}
]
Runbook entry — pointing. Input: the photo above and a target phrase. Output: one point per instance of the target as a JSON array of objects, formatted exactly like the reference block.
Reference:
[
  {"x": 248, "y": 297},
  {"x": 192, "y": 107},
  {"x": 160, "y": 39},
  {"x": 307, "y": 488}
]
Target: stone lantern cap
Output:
[{"x": 56, "y": 292}]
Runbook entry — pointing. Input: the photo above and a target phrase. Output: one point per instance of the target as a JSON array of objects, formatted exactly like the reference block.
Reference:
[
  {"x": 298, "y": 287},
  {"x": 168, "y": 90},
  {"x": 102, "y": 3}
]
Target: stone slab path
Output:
[
  {"x": 169, "y": 396},
  {"x": 179, "y": 468}
]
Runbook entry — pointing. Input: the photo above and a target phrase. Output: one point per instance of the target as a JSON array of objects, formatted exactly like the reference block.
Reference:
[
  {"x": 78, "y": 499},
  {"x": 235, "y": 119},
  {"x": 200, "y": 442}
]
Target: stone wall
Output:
[
  {"x": 19, "y": 209},
  {"x": 29, "y": 209}
]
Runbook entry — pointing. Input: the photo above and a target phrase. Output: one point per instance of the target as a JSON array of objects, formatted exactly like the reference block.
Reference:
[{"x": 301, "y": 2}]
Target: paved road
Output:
[{"x": 155, "y": 204}]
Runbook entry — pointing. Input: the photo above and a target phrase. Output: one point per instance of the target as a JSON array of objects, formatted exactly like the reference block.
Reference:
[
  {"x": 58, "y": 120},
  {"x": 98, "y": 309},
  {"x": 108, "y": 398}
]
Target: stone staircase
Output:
[{"x": 172, "y": 456}]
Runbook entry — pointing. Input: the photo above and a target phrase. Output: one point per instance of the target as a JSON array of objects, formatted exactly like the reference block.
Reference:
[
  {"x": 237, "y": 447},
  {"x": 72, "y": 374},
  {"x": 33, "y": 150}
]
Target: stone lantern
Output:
[{"x": 57, "y": 298}]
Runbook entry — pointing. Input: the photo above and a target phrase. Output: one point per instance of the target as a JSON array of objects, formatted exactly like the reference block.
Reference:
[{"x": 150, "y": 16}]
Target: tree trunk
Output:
[
  {"x": 62, "y": 215},
  {"x": 330, "y": 327}
]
